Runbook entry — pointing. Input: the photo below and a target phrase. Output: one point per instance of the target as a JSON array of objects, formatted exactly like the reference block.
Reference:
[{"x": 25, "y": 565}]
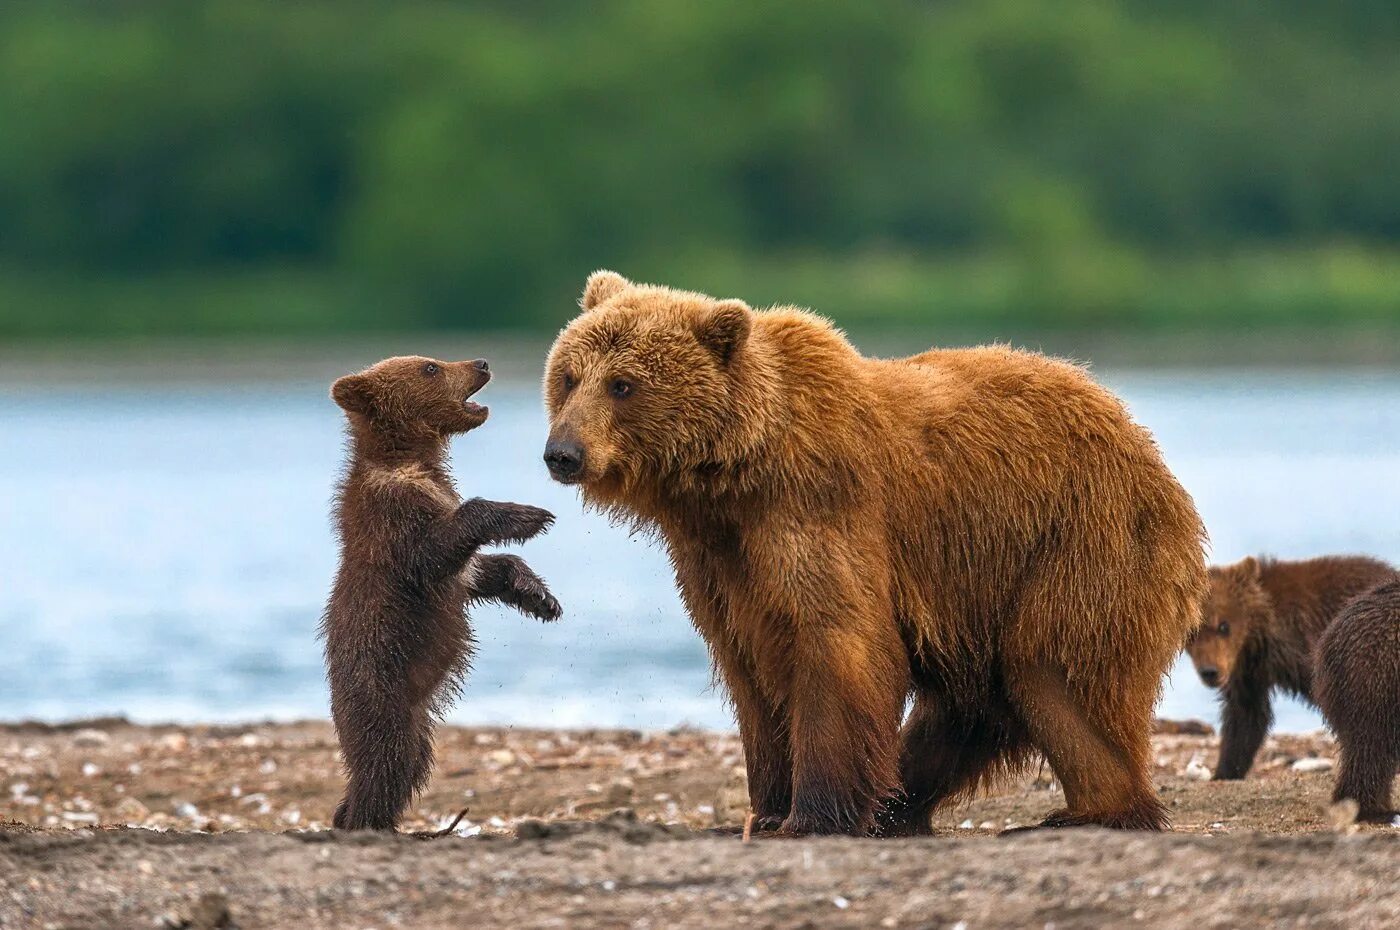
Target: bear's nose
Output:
[
  {"x": 565, "y": 460},
  {"x": 1210, "y": 675},
  {"x": 481, "y": 364}
]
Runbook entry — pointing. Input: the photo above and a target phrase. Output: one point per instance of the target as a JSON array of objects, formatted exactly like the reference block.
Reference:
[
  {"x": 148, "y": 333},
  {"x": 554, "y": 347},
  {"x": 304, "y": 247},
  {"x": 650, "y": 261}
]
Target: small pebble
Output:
[
  {"x": 90, "y": 737},
  {"x": 175, "y": 742},
  {"x": 1312, "y": 765}
]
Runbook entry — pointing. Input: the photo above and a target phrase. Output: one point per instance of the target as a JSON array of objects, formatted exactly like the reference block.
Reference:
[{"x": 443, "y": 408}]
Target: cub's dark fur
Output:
[
  {"x": 1260, "y": 625},
  {"x": 397, "y": 638},
  {"x": 1357, "y": 686}
]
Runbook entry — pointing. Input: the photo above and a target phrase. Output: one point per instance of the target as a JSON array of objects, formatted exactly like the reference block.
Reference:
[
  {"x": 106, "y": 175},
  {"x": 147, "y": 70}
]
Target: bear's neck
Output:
[{"x": 374, "y": 446}]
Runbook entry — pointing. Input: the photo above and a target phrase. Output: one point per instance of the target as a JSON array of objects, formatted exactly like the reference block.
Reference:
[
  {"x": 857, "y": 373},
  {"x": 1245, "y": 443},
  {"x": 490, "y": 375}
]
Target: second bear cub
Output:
[
  {"x": 397, "y": 638},
  {"x": 1261, "y": 623}
]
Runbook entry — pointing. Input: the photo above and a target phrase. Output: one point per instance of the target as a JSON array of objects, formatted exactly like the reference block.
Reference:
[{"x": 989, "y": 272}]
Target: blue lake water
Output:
[{"x": 166, "y": 550}]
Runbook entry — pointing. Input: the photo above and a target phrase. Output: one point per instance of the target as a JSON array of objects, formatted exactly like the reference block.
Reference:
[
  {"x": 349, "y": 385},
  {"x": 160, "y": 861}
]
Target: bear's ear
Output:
[
  {"x": 725, "y": 328},
  {"x": 353, "y": 394},
  {"x": 1249, "y": 567},
  {"x": 601, "y": 286}
]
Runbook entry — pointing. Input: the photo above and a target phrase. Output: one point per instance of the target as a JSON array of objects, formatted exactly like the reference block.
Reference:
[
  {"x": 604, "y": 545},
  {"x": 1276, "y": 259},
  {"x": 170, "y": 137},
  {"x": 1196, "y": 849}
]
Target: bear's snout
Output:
[
  {"x": 1210, "y": 675},
  {"x": 565, "y": 459}
]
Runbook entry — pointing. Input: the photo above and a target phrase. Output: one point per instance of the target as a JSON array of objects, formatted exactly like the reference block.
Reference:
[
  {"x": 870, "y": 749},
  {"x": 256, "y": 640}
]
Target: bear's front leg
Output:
[
  {"x": 850, "y": 679},
  {"x": 762, "y": 726},
  {"x": 476, "y": 523},
  {"x": 1246, "y": 715},
  {"x": 508, "y": 579},
  {"x": 767, "y": 755}
]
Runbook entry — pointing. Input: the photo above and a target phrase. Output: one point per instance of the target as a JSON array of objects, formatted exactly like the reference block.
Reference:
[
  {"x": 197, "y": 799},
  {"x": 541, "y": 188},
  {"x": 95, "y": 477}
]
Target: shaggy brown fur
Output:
[
  {"x": 983, "y": 530},
  {"x": 1357, "y": 685},
  {"x": 397, "y": 638},
  {"x": 1261, "y": 620},
  {"x": 1260, "y": 623}
]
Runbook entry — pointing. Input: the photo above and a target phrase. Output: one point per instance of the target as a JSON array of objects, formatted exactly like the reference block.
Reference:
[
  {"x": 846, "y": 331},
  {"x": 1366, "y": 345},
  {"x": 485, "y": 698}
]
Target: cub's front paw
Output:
[
  {"x": 500, "y": 522},
  {"x": 506, "y": 578},
  {"x": 528, "y": 592},
  {"x": 519, "y": 522}
]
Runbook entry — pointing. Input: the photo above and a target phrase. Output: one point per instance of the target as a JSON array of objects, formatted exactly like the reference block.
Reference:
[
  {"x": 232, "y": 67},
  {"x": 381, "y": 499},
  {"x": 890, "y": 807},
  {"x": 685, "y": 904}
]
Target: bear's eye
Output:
[
  {"x": 430, "y": 369},
  {"x": 620, "y": 388},
  {"x": 1223, "y": 629},
  {"x": 569, "y": 382}
]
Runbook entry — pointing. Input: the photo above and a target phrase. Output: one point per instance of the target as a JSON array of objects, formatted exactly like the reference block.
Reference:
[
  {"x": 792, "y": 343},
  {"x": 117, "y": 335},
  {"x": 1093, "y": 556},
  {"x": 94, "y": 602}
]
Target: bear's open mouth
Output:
[
  {"x": 474, "y": 410},
  {"x": 472, "y": 407}
]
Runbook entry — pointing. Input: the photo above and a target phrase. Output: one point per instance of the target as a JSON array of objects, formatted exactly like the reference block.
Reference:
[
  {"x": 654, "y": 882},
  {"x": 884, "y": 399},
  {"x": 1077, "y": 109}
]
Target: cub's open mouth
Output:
[
  {"x": 481, "y": 378},
  {"x": 472, "y": 407}
]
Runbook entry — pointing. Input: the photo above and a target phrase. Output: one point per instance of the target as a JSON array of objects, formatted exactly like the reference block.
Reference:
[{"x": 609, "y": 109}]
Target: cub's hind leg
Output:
[
  {"x": 382, "y": 746},
  {"x": 1367, "y": 769}
]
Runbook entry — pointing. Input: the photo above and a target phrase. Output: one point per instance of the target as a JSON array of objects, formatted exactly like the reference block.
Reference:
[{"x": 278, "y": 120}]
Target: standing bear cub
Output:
[
  {"x": 985, "y": 531},
  {"x": 1357, "y": 684},
  {"x": 1274, "y": 624},
  {"x": 397, "y": 638}
]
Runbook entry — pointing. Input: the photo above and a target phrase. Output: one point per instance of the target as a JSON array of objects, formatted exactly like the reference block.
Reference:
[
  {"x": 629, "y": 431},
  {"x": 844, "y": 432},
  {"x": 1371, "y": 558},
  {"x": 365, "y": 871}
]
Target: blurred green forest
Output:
[{"x": 222, "y": 166}]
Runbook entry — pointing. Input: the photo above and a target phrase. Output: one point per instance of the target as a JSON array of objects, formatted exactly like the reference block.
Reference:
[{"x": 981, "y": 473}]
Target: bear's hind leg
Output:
[
  {"x": 1102, "y": 768},
  {"x": 1365, "y": 775},
  {"x": 946, "y": 756},
  {"x": 383, "y": 747}
]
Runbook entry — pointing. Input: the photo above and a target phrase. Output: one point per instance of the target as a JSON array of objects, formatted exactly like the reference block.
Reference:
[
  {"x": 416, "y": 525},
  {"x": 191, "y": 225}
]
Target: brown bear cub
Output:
[
  {"x": 985, "y": 531},
  {"x": 1357, "y": 685},
  {"x": 397, "y": 638},
  {"x": 1261, "y": 626}
]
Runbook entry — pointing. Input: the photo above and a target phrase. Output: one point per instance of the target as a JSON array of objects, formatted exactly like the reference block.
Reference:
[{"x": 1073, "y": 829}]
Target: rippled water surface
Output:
[{"x": 166, "y": 551}]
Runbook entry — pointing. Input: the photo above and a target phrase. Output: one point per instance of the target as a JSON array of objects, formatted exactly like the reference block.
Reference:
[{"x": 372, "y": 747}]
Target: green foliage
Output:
[{"x": 219, "y": 165}]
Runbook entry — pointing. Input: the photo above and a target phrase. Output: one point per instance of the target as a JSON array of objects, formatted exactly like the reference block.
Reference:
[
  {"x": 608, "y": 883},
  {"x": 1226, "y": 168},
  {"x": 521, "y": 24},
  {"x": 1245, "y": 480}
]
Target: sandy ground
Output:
[{"x": 109, "y": 824}]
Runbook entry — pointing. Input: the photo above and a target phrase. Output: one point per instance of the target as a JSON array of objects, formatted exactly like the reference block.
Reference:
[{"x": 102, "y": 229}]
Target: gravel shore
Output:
[{"x": 110, "y": 824}]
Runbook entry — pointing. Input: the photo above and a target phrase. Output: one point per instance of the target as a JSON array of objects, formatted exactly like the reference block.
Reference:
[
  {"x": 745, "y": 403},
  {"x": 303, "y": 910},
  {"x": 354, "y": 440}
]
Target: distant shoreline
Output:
[{"x": 244, "y": 360}]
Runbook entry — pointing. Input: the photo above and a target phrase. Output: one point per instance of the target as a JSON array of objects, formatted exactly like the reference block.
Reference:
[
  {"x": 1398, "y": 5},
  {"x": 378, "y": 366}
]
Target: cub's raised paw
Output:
[
  {"x": 540, "y": 604},
  {"x": 527, "y": 591},
  {"x": 519, "y": 522},
  {"x": 506, "y": 578},
  {"x": 501, "y": 522}
]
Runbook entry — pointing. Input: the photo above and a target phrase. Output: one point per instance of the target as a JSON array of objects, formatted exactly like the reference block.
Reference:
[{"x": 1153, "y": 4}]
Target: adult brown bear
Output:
[{"x": 983, "y": 530}]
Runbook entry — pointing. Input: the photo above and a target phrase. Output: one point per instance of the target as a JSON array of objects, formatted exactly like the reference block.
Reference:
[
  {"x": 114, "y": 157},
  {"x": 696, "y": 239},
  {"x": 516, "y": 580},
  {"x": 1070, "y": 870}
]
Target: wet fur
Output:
[
  {"x": 1276, "y": 611},
  {"x": 397, "y": 638},
  {"x": 983, "y": 532}
]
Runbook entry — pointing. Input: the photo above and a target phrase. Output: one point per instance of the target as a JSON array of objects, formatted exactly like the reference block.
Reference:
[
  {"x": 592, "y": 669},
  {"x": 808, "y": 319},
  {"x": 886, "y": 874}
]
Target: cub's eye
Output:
[
  {"x": 430, "y": 369},
  {"x": 620, "y": 388},
  {"x": 1223, "y": 629},
  {"x": 569, "y": 381}
]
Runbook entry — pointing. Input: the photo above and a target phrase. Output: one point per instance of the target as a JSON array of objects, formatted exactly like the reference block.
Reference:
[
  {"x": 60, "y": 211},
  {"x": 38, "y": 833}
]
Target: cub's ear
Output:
[
  {"x": 601, "y": 286},
  {"x": 725, "y": 328},
  {"x": 353, "y": 394},
  {"x": 1249, "y": 566}
]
